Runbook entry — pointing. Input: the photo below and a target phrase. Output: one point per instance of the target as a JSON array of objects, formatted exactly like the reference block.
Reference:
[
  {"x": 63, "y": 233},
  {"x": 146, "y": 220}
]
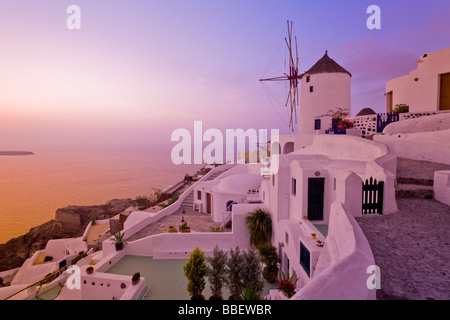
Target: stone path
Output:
[
  {"x": 197, "y": 221},
  {"x": 423, "y": 170},
  {"x": 412, "y": 247}
]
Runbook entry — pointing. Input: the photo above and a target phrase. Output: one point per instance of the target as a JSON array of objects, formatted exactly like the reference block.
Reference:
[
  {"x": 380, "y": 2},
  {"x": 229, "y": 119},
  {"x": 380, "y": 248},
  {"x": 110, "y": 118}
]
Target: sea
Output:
[{"x": 33, "y": 187}]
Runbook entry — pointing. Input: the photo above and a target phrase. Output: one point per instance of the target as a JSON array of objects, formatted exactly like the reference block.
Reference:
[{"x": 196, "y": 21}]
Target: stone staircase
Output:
[
  {"x": 218, "y": 173},
  {"x": 415, "y": 178},
  {"x": 188, "y": 202},
  {"x": 414, "y": 188}
]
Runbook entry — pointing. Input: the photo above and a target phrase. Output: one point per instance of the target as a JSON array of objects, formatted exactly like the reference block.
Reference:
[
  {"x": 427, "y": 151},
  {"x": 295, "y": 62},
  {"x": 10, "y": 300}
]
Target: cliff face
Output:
[{"x": 69, "y": 222}]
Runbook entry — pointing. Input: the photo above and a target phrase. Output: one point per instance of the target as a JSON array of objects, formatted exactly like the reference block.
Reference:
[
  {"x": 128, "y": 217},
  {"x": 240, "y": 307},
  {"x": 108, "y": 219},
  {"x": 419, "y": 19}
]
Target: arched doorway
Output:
[
  {"x": 230, "y": 205},
  {"x": 288, "y": 147}
]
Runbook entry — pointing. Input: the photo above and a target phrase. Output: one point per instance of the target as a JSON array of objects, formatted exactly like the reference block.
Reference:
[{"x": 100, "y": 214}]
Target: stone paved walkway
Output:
[
  {"x": 417, "y": 169},
  {"x": 412, "y": 247},
  {"x": 197, "y": 221}
]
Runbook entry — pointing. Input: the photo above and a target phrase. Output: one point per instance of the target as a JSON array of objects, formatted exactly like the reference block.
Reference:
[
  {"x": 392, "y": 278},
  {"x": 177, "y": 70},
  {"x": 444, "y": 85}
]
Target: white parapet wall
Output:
[
  {"x": 425, "y": 138},
  {"x": 341, "y": 271},
  {"x": 441, "y": 186}
]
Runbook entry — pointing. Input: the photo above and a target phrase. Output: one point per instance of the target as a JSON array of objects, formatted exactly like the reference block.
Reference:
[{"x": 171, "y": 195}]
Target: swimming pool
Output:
[{"x": 165, "y": 277}]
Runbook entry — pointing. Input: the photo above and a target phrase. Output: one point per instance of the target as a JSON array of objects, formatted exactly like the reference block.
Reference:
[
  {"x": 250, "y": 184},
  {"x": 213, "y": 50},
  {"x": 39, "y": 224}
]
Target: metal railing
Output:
[{"x": 35, "y": 283}]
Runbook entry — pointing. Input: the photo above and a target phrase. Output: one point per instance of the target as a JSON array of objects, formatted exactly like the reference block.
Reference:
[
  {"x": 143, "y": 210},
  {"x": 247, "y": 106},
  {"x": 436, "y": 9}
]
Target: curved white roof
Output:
[{"x": 240, "y": 183}]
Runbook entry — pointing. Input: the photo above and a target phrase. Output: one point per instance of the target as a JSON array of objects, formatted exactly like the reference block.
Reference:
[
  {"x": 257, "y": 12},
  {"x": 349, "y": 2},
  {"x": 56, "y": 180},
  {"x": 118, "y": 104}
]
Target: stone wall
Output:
[{"x": 368, "y": 124}]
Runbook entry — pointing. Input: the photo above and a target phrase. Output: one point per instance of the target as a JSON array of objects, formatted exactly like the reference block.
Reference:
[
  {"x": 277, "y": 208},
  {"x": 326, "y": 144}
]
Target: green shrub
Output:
[
  {"x": 143, "y": 201},
  {"x": 78, "y": 258},
  {"x": 195, "y": 271},
  {"x": 251, "y": 272},
  {"x": 250, "y": 293},
  {"x": 259, "y": 224},
  {"x": 217, "y": 275},
  {"x": 401, "y": 108},
  {"x": 217, "y": 229},
  {"x": 235, "y": 264}
]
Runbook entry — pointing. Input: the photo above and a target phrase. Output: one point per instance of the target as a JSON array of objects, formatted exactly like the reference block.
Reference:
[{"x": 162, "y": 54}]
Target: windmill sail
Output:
[{"x": 292, "y": 75}]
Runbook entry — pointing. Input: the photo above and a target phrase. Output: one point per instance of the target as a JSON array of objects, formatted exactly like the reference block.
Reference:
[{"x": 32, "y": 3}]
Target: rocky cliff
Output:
[{"x": 69, "y": 222}]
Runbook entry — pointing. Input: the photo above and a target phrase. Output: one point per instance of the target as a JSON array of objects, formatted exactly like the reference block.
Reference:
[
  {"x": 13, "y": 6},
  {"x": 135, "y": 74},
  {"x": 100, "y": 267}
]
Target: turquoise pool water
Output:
[
  {"x": 164, "y": 276},
  {"x": 323, "y": 229}
]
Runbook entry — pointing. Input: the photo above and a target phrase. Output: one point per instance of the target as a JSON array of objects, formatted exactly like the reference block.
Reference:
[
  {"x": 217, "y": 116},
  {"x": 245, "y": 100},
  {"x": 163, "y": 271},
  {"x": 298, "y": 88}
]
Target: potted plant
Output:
[
  {"x": 89, "y": 270},
  {"x": 259, "y": 224},
  {"x": 313, "y": 235},
  {"x": 287, "y": 284},
  {"x": 185, "y": 228},
  {"x": 171, "y": 229},
  {"x": 135, "y": 278},
  {"x": 269, "y": 256},
  {"x": 119, "y": 241}
]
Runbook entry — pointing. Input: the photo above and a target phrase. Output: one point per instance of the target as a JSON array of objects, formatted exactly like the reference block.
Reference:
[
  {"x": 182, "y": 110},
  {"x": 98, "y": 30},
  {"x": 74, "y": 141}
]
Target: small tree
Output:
[
  {"x": 252, "y": 273},
  {"x": 337, "y": 115},
  {"x": 259, "y": 225},
  {"x": 217, "y": 272},
  {"x": 195, "y": 270},
  {"x": 235, "y": 264}
]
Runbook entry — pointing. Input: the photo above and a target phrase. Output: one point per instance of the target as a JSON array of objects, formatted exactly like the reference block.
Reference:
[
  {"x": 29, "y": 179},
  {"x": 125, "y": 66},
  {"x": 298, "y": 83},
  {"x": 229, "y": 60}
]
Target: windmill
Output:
[{"x": 292, "y": 75}]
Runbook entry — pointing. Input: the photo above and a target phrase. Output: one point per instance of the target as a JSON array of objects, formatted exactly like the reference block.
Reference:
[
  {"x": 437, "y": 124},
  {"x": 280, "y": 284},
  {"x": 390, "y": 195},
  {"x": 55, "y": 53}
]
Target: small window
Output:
[
  {"x": 294, "y": 186},
  {"x": 305, "y": 258},
  {"x": 286, "y": 238},
  {"x": 334, "y": 184},
  {"x": 311, "y": 89},
  {"x": 308, "y": 78},
  {"x": 273, "y": 180},
  {"x": 199, "y": 195}
]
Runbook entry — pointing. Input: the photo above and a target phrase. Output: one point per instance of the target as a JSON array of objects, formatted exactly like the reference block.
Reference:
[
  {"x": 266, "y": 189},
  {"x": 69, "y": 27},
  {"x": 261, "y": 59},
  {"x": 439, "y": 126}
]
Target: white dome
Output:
[{"x": 240, "y": 183}]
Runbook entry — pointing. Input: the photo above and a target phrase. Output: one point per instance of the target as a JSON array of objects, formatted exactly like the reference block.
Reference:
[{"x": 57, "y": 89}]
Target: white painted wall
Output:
[
  {"x": 331, "y": 91},
  {"x": 366, "y": 158},
  {"x": 441, "y": 186},
  {"x": 427, "y": 146},
  {"x": 421, "y": 95},
  {"x": 341, "y": 270},
  {"x": 107, "y": 286}
]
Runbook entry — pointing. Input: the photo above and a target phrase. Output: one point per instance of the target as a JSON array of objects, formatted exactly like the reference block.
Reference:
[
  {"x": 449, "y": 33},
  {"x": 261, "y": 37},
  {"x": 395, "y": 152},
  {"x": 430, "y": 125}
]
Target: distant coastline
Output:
[{"x": 16, "y": 153}]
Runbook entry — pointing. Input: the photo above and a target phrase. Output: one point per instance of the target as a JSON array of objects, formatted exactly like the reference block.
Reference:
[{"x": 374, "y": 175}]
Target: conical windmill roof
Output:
[{"x": 326, "y": 65}]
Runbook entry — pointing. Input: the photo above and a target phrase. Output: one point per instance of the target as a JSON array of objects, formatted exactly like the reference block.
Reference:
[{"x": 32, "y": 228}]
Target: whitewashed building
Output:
[
  {"x": 325, "y": 86},
  {"x": 424, "y": 89}
]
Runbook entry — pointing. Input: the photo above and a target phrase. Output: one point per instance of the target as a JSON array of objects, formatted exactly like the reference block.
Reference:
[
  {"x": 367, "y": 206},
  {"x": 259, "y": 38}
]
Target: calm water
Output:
[
  {"x": 161, "y": 272},
  {"x": 33, "y": 187}
]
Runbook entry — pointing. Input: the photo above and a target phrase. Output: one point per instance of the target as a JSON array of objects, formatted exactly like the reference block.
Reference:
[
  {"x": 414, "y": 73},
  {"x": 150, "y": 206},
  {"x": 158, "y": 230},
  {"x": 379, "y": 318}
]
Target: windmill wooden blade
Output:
[{"x": 292, "y": 76}]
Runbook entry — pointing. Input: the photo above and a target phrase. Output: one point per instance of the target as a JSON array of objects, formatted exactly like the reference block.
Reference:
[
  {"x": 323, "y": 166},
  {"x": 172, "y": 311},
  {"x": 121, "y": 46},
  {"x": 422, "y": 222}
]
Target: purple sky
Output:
[{"x": 137, "y": 70}]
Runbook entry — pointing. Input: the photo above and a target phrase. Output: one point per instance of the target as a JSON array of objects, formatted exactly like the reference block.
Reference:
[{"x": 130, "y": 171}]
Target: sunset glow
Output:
[{"x": 136, "y": 72}]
